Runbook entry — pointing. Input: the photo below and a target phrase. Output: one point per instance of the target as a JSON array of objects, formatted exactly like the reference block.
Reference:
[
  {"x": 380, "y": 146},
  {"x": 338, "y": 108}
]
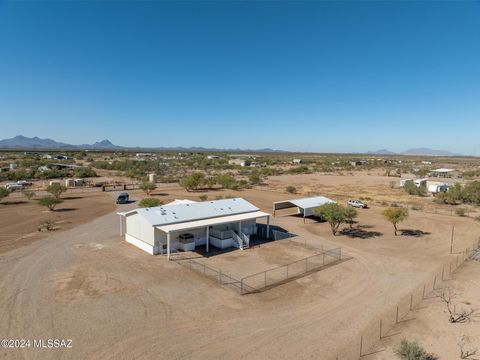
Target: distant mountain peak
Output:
[{"x": 381, "y": 152}]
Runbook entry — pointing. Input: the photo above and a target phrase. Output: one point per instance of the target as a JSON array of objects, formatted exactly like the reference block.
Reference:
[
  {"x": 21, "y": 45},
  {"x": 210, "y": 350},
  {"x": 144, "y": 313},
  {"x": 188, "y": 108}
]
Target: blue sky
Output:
[{"x": 301, "y": 76}]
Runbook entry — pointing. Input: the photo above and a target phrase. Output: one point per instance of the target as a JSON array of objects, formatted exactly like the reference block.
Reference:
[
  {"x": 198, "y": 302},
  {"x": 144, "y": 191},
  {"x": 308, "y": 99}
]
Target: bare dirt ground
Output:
[
  {"x": 115, "y": 301},
  {"x": 428, "y": 324},
  {"x": 20, "y": 218}
]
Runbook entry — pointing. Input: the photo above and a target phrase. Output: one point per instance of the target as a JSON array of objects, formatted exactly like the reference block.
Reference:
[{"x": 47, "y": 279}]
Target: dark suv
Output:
[{"x": 122, "y": 198}]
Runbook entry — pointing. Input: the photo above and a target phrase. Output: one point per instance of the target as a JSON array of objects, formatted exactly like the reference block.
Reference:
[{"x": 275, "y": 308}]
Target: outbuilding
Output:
[
  {"x": 184, "y": 225},
  {"x": 305, "y": 206}
]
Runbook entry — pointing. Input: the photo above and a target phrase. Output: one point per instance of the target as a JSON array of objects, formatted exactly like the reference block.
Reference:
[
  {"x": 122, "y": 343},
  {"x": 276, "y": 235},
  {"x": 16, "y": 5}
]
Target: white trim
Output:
[{"x": 140, "y": 244}]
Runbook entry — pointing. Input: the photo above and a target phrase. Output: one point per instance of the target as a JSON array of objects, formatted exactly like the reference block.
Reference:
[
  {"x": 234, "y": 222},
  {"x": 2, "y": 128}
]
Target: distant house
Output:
[
  {"x": 437, "y": 188},
  {"x": 212, "y": 157},
  {"x": 297, "y": 161},
  {"x": 426, "y": 163},
  {"x": 443, "y": 172}
]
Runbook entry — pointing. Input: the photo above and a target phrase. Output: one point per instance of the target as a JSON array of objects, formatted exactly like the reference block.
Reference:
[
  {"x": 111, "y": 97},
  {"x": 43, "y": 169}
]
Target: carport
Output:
[{"x": 305, "y": 206}]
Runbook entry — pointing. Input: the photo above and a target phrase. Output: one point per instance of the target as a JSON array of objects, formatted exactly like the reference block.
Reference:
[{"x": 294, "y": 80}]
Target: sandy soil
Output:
[
  {"x": 428, "y": 324},
  {"x": 115, "y": 301},
  {"x": 20, "y": 218}
]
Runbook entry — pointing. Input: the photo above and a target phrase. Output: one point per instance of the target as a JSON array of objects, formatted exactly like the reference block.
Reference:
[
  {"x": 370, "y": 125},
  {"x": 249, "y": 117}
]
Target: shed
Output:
[{"x": 305, "y": 206}]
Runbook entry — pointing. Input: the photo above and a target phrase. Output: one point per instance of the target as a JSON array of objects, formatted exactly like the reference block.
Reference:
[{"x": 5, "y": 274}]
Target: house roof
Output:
[
  {"x": 185, "y": 212},
  {"x": 443, "y": 170},
  {"x": 213, "y": 221}
]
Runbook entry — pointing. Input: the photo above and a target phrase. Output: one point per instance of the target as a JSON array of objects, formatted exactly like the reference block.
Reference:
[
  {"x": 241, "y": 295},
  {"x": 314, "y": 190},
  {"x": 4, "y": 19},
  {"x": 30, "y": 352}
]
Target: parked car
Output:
[
  {"x": 357, "y": 204},
  {"x": 13, "y": 186},
  {"x": 123, "y": 198}
]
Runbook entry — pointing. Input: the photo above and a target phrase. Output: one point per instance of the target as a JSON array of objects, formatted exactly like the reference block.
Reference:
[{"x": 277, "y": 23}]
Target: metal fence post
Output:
[
  {"x": 423, "y": 294},
  {"x": 241, "y": 286},
  {"x": 265, "y": 279},
  {"x": 396, "y": 318},
  {"x": 411, "y": 301},
  {"x": 361, "y": 345},
  {"x": 380, "y": 328},
  {"x": 434, "y": 282}
]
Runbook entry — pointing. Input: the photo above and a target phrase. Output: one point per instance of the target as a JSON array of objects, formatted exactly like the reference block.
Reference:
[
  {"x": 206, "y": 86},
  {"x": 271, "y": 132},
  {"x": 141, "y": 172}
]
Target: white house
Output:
[
  {"x": 184, "y": 225},
  {"x": 305, "y": 206}
]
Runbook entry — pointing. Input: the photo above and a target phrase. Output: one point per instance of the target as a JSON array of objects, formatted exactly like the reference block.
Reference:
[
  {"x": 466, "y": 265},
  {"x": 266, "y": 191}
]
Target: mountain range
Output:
[
  {"x": 21, "y": 142},
  {"x": 416, "y": 151}
]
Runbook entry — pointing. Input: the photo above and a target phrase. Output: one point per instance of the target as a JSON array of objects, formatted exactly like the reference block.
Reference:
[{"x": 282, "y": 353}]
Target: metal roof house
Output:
[
  {"x": 305, "y": 206},
  {"x": 184, "y": 225}
]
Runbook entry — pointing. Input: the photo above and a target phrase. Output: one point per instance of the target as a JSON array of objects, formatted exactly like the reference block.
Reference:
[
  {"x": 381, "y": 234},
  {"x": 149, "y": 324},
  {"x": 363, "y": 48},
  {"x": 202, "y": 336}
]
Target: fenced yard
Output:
[{"x": 262, "y": 267}]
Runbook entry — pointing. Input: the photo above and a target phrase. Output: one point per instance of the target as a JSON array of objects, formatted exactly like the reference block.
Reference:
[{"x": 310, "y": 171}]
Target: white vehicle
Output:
[
  {"x": 13, "y": 187},
  {"x": 357, "y": 204}
]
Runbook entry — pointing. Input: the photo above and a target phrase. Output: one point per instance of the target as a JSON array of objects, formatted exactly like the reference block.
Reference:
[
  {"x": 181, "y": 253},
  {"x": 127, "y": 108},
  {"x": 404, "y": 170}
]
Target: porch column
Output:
[
  {"x": 122, "y": 231},
  {"x": 208, "y": 238},
  {"x": 168, "y": 245},
  {"x": 239, "y": 228},
  {"x": 268, "y": 227}
]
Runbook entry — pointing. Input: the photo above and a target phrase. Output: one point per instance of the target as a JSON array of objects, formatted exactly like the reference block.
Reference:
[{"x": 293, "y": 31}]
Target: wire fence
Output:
[
  {"x": 267, "y": 279},
  {"x": 264, "y": 280},
  {"x": 369, "y": 341}
]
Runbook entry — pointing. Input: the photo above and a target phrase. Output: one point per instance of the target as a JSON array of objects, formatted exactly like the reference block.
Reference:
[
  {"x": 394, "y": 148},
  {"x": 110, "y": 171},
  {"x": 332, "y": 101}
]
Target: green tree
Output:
[
  {"x": 333, "y": 213},
  {"x": 150, "y": 202},
  {"x": 56, "y": 190},
  {"x": 29, "y": 194},
  {"x": 50, "y": 202},
  {"x": 3, "y": 193},
  {"x": 147, "y": 187},
  {"x": 194, "y": 181},
  {"x": 255, "y": 178},
  {"x": 227, "y": 181},
  {"x": 395, "y": 215},
  {"x": 350, "y": 215},
  {"x": 411, "y": 350}
]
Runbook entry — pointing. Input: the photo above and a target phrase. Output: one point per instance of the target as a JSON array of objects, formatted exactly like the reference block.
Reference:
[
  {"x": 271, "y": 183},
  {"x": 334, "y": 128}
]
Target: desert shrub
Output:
[
  {"x": 49, "y": 202},
  {"x": 29, "y": 194},
  {"x": 461, "y": 212},
  {"x": 394, "y": 205},
  {"x": 413, "y": 189},
  {"x": 150, "y": 202},
  {"x": 203, "y": 197},
  {"x": 3, "y": 193},
  {"x": 411, "y": 350},
  {"x": 255, "y": 178},
  {"x": 477, "y": 218},
  {"x": 416, "y": 207},
  {"x": 392, "y": 185},
  {"x": 291, "y": 189},
  {"x": 56, "y": 190},
  {"x": 85, "y": 172}
]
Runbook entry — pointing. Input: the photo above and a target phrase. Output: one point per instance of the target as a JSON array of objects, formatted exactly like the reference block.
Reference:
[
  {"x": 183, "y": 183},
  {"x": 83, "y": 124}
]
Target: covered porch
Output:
[{"x": 221, "y": 232}]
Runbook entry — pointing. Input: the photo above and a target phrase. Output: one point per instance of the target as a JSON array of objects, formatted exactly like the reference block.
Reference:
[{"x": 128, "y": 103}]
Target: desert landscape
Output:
[{"x": 82, "y": 279}]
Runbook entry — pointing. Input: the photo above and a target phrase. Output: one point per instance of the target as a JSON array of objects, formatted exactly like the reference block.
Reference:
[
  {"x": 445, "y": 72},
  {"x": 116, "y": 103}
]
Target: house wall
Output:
[{"x": 141, "y": 229}]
